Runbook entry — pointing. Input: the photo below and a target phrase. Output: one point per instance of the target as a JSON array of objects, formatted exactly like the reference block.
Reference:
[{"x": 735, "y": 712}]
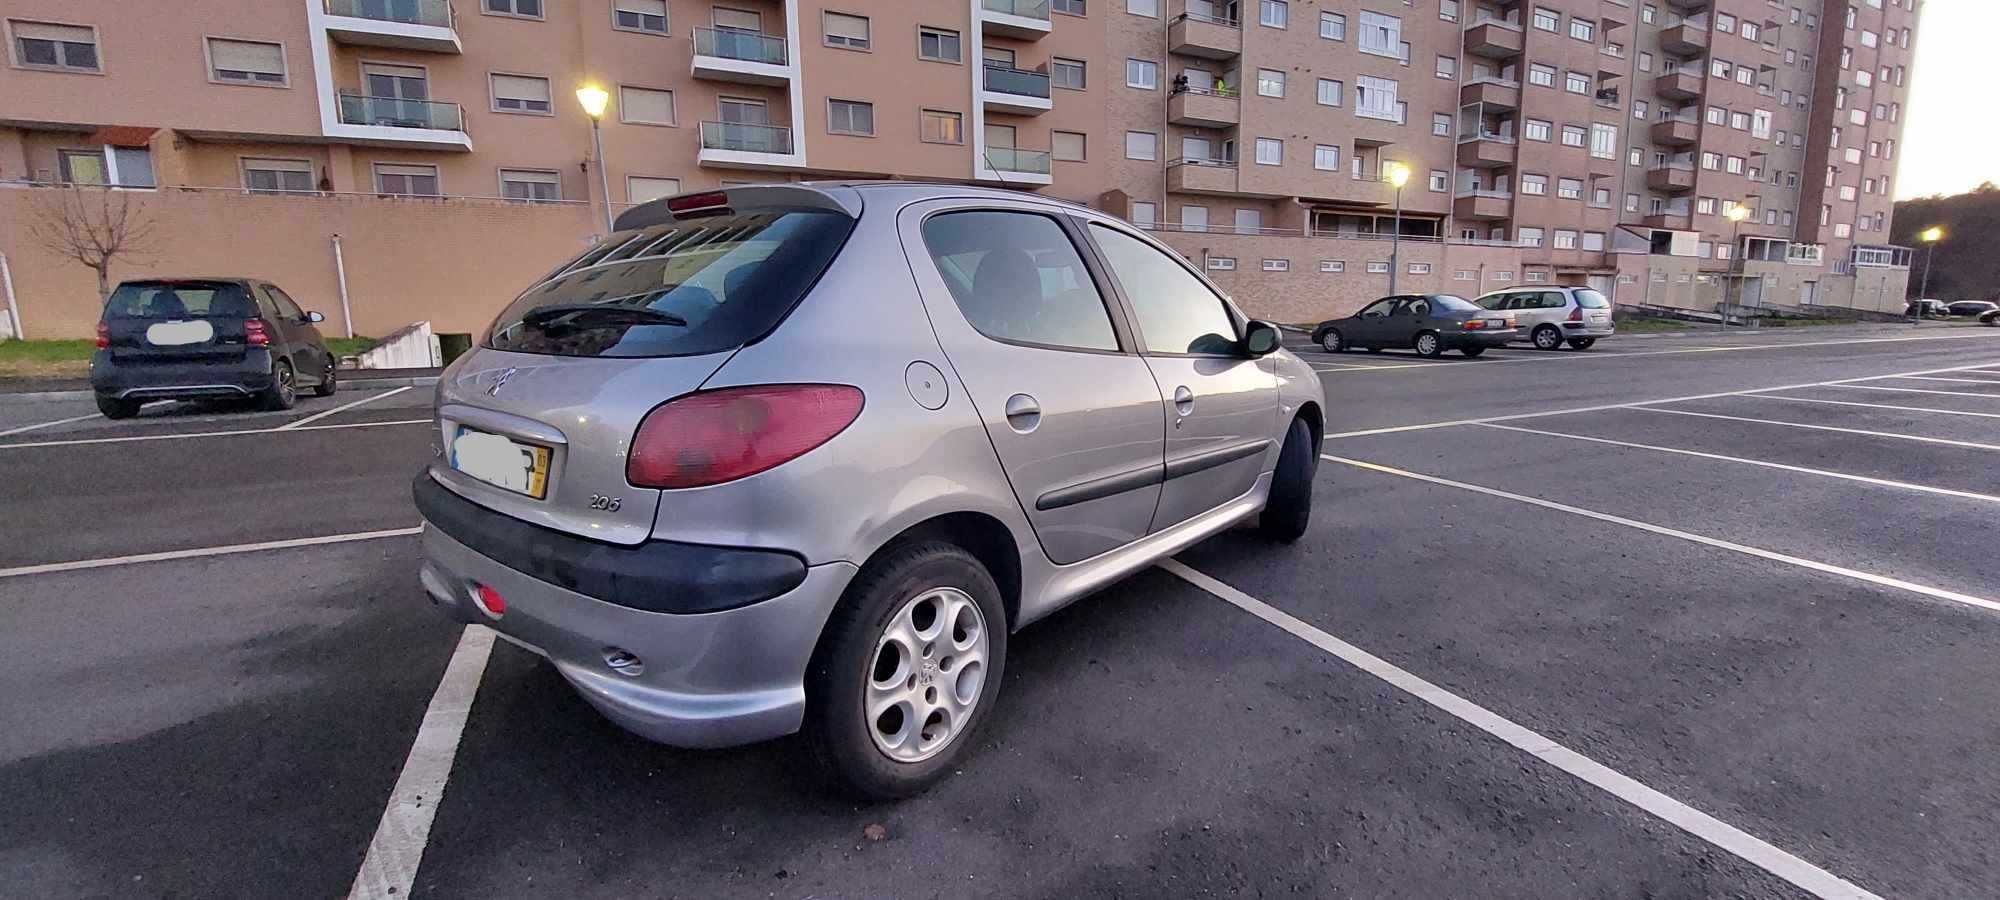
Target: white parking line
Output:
[
  {"x": 1920, "y": 409},
  {"x": 1877, "y": 387},
  {"x": 1557, "y": 357},
  {"x": 1824, "y": 473},
  {"x": 203, "y": 434},
  {"x": 1774, "y": 556},
  {"x": 41, "y": 425},
  {"x": 1749, "y": 392},
  {"x": 1957, "y": 380},
  {"x": 390, "y": 867},
  {"x": 1701, "y": 825},
  {"x": 230, "y": 549},
  {"x": 1881, "y": 434},
  {"x": 340, "y": 409}
]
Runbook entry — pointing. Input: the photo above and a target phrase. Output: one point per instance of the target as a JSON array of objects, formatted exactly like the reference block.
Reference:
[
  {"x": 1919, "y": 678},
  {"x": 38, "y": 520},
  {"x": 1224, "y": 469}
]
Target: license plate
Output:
[
  {"x": 179, "y": 334},
  {"x": 502, "y": 462}
]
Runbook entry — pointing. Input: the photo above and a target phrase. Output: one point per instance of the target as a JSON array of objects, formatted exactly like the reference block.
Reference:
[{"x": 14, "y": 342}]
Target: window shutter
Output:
[
  {"x": 853, "y": 28},
  {"x": 516, "y": 87},
  {"x": 246, "y": 56},
  {"x": 644, "y": 105},
  {"x": 643, "y": 7},
  {"x": 415, "y": 171},
  {"x": 39, "y": 31}
]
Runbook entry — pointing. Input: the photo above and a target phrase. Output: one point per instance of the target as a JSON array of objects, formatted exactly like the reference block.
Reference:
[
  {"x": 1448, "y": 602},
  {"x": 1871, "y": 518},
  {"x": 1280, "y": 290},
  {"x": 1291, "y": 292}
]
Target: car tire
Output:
[
  {"x": 1429, "y": 344},
  {"x": 1472, "y": 351},
  {"x": 1582, "y": 343},
  {"x": 114, "y": 408},
  {"x": 1332, "y": 341},
  {"x": 1547, "y": 337},
  {"x": 886, "y": 599},
  {"x": 329, "y": 382},
  {"x": 1289, "y": 508},
  {"x": 283, "y": 393}
]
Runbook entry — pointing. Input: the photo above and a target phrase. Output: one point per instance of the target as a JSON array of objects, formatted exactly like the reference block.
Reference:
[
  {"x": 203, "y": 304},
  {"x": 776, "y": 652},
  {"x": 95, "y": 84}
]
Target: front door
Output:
[
  {"x": 1400, "y": 328},
  {"x": 1368, "y": 323},
  {"x": 1071, "y": 410},
  {"x": 1222, "y": 406}
]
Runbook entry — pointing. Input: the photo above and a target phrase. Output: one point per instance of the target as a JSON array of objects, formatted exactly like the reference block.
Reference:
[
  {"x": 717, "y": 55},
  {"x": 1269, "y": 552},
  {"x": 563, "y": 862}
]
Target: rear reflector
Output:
[
  {"x": 717, "y": 436},
  {"x": 489, "y": 601}
]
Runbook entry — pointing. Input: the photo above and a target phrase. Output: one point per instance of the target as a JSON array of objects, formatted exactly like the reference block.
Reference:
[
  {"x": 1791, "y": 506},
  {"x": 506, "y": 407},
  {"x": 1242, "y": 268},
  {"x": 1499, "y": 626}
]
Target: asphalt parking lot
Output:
[{"x": 1674, "y": 617}]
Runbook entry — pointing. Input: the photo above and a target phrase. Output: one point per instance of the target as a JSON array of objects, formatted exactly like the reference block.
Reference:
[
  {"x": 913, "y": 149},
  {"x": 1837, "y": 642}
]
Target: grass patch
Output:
[
  {"x": 1803, "y": 323},
  {"x": 1652, "y": 326},
  {"x": 45, "y": 359},
  {"x": 346, "y": 346}
]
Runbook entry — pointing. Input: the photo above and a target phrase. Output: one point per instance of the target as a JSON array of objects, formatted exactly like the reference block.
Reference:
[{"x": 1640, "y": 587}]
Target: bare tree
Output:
[{"x": 94, "y": 226}]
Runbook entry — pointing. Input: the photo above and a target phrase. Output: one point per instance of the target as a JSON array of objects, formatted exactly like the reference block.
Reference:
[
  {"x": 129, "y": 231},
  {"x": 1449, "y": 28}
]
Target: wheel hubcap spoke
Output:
[{"x": 927, "y": 674}]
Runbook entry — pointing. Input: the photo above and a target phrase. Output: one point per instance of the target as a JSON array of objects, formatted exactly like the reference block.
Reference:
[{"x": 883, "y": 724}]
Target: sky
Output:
[{"x": 1949, "y": 139}]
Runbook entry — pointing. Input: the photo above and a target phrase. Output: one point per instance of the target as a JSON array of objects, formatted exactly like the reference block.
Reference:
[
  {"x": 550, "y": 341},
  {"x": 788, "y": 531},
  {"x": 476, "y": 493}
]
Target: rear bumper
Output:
[
  {"x": 1573, "y": 330},
  {"x": 132, "y": 379},
  {"x": 1499, "y": 337}
]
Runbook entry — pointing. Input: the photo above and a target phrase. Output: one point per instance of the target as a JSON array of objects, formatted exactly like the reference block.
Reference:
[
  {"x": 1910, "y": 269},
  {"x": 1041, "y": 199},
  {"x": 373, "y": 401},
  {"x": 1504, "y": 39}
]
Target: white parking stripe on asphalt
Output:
[
  {"x": 1556, "y": 357},
  {"x": 1877, "y": 387},
  {"x": 204, "y": 434},
  {"x": 1881, "y": 434},
  {"x": 1787, "y": 559},
  {"x": 1955, "y": 380},
  {"x": 1918, "y": 409},
  {"x": 108, "y": 561},
  {"x": 1824, "y": 473},
  {"x": 1813, "y": 879},
  {"x": 341, "y": 409},
  {"x": 40, "y": 425},
  {"x": 390, "y": 867}
]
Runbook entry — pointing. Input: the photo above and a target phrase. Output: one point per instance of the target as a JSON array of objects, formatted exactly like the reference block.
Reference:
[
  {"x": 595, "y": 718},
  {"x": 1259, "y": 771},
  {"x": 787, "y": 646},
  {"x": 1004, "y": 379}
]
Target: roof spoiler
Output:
[{"x": 830, "y": 198}]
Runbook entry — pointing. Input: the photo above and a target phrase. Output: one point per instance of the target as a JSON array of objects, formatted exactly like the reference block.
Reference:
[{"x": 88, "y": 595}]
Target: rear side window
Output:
[
  {"x": 180, "y": 300},
  {"x": 685, "y": 288},
  {"x": 1016, "y": 277},
  {"x": 1590, "y": 299}
]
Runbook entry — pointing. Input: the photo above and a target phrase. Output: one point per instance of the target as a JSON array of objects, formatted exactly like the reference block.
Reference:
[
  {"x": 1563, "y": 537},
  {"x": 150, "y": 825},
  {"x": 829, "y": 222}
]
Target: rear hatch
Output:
[
  {"x": 1596, "y": 308},
  {"x": 178, "y": 321},
  {"x": 537, "y": 422}
]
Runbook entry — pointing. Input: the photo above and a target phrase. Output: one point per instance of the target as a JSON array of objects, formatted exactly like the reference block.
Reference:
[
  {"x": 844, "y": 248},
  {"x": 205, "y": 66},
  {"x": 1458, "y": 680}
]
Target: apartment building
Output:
[{"x": 424, "y": 158}]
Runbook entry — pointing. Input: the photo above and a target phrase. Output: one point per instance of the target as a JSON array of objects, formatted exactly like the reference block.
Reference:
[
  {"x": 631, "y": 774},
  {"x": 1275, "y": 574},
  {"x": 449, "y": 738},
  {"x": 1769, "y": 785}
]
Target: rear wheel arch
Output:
[{"x": 988, "y": 539}]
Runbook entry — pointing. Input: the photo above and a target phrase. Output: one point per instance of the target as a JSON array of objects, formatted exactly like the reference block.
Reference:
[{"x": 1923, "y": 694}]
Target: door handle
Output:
[
  {"x": 1024, "y": 413},
  {"x": 1184, "y": 401}
]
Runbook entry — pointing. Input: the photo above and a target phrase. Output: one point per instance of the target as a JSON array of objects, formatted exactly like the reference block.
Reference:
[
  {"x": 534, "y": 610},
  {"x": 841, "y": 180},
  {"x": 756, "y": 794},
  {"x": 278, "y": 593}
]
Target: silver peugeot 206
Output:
[{"x": 800, "y": 458}]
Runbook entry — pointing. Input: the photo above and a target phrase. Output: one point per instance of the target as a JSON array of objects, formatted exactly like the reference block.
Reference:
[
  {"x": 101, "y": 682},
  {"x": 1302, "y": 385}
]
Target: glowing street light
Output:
[
  {"x": 1399, "y": 175},
  {"x": 595, "y": 100},
  {"x": 1930, "y": 237}
]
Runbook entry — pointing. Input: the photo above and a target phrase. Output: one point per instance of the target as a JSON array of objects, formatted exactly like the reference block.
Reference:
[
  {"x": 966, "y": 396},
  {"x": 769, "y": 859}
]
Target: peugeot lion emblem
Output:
[{"x": 501, "y": 382}]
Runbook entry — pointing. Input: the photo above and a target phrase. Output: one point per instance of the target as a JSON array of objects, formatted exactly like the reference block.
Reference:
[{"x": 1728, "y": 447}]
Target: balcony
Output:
[
  {"x": 744, "y": 57},
  {"x": 1476, "y": 203},
  {"x": 1015, "y": 165},
  {"x": 1205, "y": 36},
  {"x": 1024, "y": 19},
  {"x": 1199, "y": 108},
  {"x": 1491, "y": 91},
  {"x": 427, "y": 25},
  {"x": 1679, "y": 84},
  {"x": 1677, "y": 132},
  {"x": 1016, "y": 91},
  {"x": 1493, "y": 38},
  {"x": 1201, "y": 176},
  {"x": 396, "y": 122},
  {"x": 745, "y": 145},
  {"x": 1685, "y": 39},
  {"x": 1485, "y": 150},
  {"x": 1671, "y": 178}
]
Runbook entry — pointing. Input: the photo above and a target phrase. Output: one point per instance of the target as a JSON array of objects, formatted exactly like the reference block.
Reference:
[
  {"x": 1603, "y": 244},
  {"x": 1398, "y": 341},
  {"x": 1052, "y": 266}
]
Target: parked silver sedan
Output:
[
  {"x": 1550, "y": 315},
  {"x": 802, "y": 457}
]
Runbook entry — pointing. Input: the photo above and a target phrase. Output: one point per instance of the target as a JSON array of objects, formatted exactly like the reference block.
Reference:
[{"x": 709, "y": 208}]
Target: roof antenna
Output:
[{"x": 987, "y": 152}]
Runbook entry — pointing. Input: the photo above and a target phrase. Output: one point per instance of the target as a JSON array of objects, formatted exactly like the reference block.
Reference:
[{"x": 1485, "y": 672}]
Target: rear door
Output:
[
  {"x": 1400, "y": 328},
  {"x": 1221, "y": 403},
  {"x": 1073, "y": 413},
  {"x": 178, "y": 321}
]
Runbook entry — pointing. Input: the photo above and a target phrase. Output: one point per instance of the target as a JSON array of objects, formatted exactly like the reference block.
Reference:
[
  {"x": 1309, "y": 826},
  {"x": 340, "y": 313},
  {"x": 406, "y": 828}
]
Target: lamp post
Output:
[
  {"x": 1735, "y": 215},
  {"x": 1930, "y": 237},
  {"x": 1399, "y": 175},
  {"x": 594, "y": 100}
]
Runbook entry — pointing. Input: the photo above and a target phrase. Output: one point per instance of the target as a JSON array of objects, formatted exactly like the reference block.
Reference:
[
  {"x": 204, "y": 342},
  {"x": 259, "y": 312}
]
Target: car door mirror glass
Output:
[
  {"x": 315, "y": 317},
  {"x": 1260, "y": 338}
]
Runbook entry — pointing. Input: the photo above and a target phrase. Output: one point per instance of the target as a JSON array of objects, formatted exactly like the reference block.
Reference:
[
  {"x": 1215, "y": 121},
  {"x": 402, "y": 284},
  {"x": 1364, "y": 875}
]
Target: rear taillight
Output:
[
  {"x": 1576, "y": 313},
  {"x": 103, "y": 335},
  {"x": 717, "y": 436},
  {"x": 256, "y": 333},
  {"x": 1475, "y": 324}
]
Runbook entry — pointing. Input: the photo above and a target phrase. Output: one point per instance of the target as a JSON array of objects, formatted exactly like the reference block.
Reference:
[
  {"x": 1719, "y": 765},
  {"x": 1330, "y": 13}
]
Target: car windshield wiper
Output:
[{"x": 638, "y": 315}]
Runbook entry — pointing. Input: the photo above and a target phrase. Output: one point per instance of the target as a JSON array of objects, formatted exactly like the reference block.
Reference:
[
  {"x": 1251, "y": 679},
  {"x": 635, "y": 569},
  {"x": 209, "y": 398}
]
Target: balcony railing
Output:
[
  {"x": 436, "y": 13},
  {"x": 1016, "y": 159},
  {"x": 397, "y": 112},
  {"x": 1466, "y": 137},
  {"x": 1206, "y": 19},
  {"x": 1027, "y": 9},
  {"x": 1484, "y": 193},
  {"x": 731, "y": 43},
  {"x": 1201, "y": 161},
  {"x": 746, "y": 137},
  {"x": 1020, "y": 82}
]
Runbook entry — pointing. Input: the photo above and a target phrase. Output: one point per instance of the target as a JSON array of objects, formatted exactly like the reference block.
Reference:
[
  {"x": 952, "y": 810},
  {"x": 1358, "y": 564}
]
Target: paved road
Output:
[{"x": 1688, "y": 593}]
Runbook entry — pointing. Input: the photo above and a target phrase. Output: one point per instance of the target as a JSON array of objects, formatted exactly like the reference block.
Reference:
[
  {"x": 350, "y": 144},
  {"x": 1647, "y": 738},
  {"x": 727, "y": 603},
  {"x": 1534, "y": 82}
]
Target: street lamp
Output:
[
  {"x": 1735, "y": 215},
  {"x": 1399, "y": 175},
  {"x": 1930, "y": 237},
  {"x": 594, "y": 100}
]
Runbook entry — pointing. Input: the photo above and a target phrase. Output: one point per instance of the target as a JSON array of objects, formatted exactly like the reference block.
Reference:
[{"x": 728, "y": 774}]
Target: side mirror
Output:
[
  {"x": 1260, "y": 338},
  {"x": 315, "y": 318}
]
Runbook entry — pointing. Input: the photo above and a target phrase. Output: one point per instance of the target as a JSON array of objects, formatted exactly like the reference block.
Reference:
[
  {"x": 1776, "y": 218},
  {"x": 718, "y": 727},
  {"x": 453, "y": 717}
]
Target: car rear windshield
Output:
[
  {"x": 1452, "y": 301},
  {"x": 1590, "y": 299},
  {"x": 180, "y": 300},
  {"x": 680, "y": 289}
]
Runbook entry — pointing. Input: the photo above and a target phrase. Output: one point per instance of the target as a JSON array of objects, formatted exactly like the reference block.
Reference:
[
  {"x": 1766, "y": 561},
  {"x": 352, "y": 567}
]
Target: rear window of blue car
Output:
[{"x": 180, "y": 300}]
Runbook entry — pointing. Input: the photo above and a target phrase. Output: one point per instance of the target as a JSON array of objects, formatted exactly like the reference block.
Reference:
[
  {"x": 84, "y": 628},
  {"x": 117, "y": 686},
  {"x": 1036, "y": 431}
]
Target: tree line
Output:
[{"x": 1967, "y": 264}]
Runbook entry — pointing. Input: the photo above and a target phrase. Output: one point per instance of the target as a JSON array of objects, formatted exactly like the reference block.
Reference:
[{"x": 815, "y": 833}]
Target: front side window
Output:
[
  {"x": 1176, "y": 311},
  {"x": 1016, "y": 277}
]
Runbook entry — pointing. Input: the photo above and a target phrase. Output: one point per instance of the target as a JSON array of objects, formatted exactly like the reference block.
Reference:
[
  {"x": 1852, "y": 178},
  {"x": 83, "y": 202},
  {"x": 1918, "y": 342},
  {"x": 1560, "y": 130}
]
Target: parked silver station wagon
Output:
[
  {"x": 1551, "y": 315},
  {"x": 801, "y": 458}
]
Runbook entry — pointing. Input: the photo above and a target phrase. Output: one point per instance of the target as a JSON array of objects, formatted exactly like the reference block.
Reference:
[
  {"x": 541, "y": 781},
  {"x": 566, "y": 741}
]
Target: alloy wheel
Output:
[{"x": 926, "y": 675}]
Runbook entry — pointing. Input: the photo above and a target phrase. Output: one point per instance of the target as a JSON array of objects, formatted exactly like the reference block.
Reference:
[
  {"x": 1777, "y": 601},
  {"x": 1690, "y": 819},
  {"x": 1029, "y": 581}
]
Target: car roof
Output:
[
  {"x": 233, "y": 279},
  {"x": 846, "y": 196}
]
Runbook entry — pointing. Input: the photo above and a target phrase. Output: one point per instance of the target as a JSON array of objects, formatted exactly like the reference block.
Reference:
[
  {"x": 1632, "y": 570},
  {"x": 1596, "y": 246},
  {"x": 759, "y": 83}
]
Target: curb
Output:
[{"x": 31, "y": 398}]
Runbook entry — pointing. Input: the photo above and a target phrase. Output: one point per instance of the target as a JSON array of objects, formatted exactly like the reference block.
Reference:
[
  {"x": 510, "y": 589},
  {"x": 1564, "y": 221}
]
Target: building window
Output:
[
  {"x": 1329, "y": 92},
  {"x": 1577, "y": 83},
  {"x": 1448, "y": 10},
  {"x": 1573, "y": 135},
  {"x": 1222, "y": 263},
  {"x": 1333, "y": 26},
  {"x": 1144, "y": 214},
  {"x": 644, "y": 189},
  {"x": 649, "y": 16},
  {"x": 848, "y": 31},
  {"x": 646, "y": 106},
  {"x": 406, "y": 181},
  {"x": 246, "y": 62},
  {"x": 1142, "y": 145},
  {"x": 1536, "y": 275},
  {"x": 1528, "y": 237},
  {"x": 1569, "y": 188},
  {"x": 1194, "y": 218},
  {"x": 1069, "y": 7},
  {"x": 1604, "y": 141},
  {"x": 1535, "y": 130},
  {"x": 1149, "y": 8},
  {"x": 128, "y": 167},
  {"x": 526, "y": 9},
  {"x": 1502, "y": 277},
  {"x": 1465, "y": 275},
  {"x": 1378, "y": 267},
  {"x": 1542, "y": 75},
  {"x": 850, "y": 117},
  {"x": 1068, "y": 146},
  {"x": 1440, "y": 180},
  {"x": 1419, "y": 268},
  {"x": 1535, "y": 185},
  {"x": 1270, "y": 83},
  {"x": 277, "y": 176},
  {"x": 1375, "y": 98},
  {"x": 1066, "y": 74},
  {"x": 1333, "y": 266},
  {"x": 44, "y": 45},
  {"x": 1273, "y": 13},
  {"x": 1582, "y": 29},
  {"x": 1277, "y": 265},
  {"x": 939, "y": 44},
  {"x": 530, "y": 184},
  {"x": 1142, "y": 74},
  {"x": 1441, "y": 124},
  {"x": 1600, "y": 197},
  {"x": 1447, "y": 67},
  {"x": 521, "y": 94},
  {"x": 1326, "y": 157},
  {"x": 1546, "y": 19},
  {"x": 942, "y": 127},
  {"x": 1381, "y": 35},
  {"x": 1270, "y": 152},
  {"x": 1704, "y": 206}
]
